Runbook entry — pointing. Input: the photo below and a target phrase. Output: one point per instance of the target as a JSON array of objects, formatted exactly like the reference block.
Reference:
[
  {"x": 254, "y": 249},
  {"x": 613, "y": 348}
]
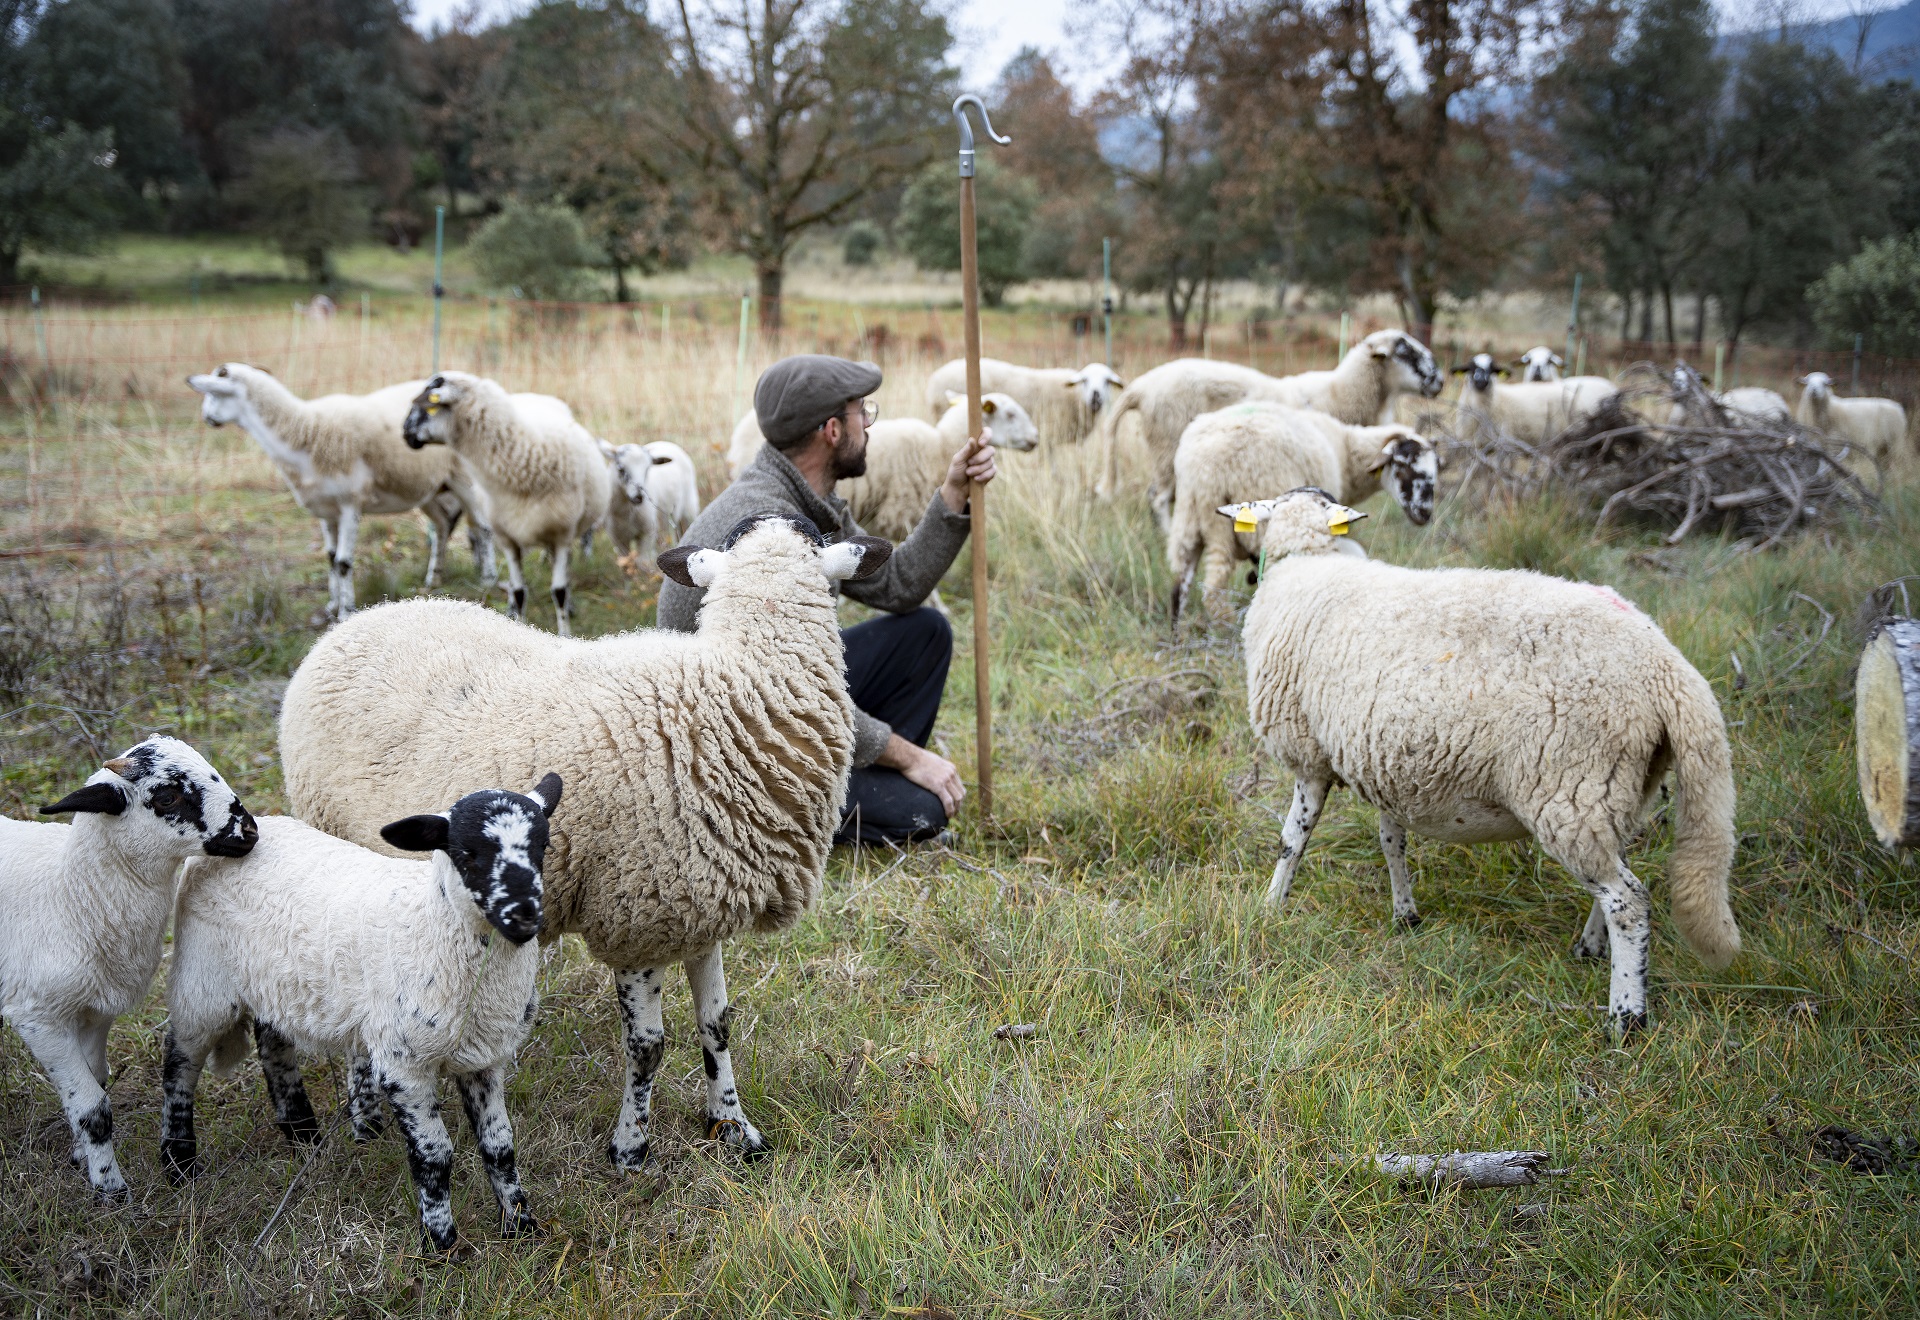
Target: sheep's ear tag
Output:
[
  {"x": 1341, "y": 521},
  {"x": 1243, "y": 519}
]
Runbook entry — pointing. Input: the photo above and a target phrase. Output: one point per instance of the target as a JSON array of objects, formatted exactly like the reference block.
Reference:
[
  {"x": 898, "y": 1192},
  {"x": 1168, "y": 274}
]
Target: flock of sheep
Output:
[{"x": 704, "y": 773}]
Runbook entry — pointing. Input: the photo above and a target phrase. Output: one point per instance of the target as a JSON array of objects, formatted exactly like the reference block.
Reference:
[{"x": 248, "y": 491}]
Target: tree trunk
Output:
[
  {"x": 1626, "y": 314},
  {"x": 1646, "y": 315},
  {"x": 771, "y": 275},
  {"x": 9, "y": 266},
  {"x": 1176, "y": 316},
  {"x": 1699, "y": 321},
  {"x": 620, "y": 293},
  {"x": 1666, "y": 308}
]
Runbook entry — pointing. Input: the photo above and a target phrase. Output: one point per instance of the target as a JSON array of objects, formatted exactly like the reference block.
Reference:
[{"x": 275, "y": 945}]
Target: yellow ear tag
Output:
[
  {"x": 1243, "y": 522},
  {"x": 1338, "y": 528}
]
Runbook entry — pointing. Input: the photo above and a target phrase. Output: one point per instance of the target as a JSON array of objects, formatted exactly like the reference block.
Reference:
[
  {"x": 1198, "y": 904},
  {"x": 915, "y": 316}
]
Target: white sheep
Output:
[
  {"x": 1695, "y": 405},
  {"x": 1540, "y": 363},
  {"x": 907, "y": 461},
  {"x": 1471, "y": 705},
  {"x": 1359, "y": 391},
  {"x": 1532, "y": 413},
  {"x": 1065, "y": 405},
  {"x": 330, "y": 948},
  {"x": 546, "y": 484},
  {"x": 706, "y": 771},
  {"x": 655, "y": 488},
  {"x": 342, "y": 456},
  {"x": 83, "y": 914},
  {"x": 1252, "y": 450},
  {"x": 1876, "y": 428}
]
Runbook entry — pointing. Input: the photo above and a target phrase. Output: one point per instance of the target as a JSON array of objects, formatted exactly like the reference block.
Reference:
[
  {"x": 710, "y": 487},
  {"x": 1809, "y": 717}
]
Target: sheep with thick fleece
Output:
[
  {"x": 1539, "y": 363},
  {"x": 1359, "y": 392},
  {"x": 1875, "y": 428},
  {"x": 1696, "y": 405},
  {"x": 655, "y": 488},
  {"x": 331, "y": 948},
  {"x": 546, "y": 484},
  {"x": 342, "y": 456},
  {"x": 1012, "y": 428},
  {"x": 907, "y": 461},
  {"x": 83, "y": 917},
  {"x": 1252, "y": 450},
  {"x": 1065, "y": 405},
  {"x": 1471, "y": 705},
  {"x": 1532, "y": 413},
  {"x": 706, "y": 772}
]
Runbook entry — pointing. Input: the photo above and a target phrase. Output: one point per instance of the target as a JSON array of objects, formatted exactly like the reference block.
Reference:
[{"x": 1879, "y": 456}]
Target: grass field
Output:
[{"x": 1169, "y": 1141}]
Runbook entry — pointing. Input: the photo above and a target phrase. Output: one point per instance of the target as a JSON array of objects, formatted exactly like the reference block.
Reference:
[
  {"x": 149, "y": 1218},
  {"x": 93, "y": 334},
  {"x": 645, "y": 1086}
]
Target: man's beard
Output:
[{"x": 845, "y": 465}]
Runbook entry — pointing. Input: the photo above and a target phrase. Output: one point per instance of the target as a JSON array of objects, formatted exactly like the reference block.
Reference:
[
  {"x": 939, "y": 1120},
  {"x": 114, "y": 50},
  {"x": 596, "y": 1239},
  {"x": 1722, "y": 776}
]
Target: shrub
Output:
[
  {"x": 861, "y": 243},
  {"x": 537, "y": 251},
  {"x": 929, "y": 224},
  {"x": 1875, "y": 294},
  {"x": 301, "y": 191}
]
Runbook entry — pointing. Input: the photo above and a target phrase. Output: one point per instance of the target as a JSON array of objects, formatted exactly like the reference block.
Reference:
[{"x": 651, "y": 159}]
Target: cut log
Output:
[
  {"x": 1887, "y": 731},
  {"x": 1468, "y": 1168}
]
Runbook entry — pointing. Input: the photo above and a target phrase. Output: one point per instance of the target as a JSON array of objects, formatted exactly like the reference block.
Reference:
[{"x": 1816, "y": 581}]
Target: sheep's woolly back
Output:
[
  {"x": 1534, "y": 411},
  {"x": 1058, "y": 412},
  {"x": 543, "y": 473},
  {"x": 1456, "y": 699},
  {"x": 1254, "y": 451},
  {"x": 705, "y": 773},
  {"x": 745, "y": 444},
  {"x": 907, "y": 461},
  {"x": 1876, "y": 428},
  {"x": 337, "y": 432}
]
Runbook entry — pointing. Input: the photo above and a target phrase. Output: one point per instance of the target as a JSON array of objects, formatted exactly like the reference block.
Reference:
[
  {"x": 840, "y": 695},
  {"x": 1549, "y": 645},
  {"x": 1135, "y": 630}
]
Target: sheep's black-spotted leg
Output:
[
  {"x": 646, "y": 1040},
  {"x": 708, "y": 977},
  {"x": 286, "y": 1089},
  {"x": 363, "y": 1099},
  {"x": 562, "y": 610},
  {"x": 1628, "y": 912},
  {"x": 179, "y": 1079},
  {"x": 516, "y": 583},
  {"x": 1593, "y": 939},
  {"x": 416, "y": 1109},
  {"x": 61, "y": 1051},
  {"x": 343, "y": 560},
  {"x": 483, "y": 1095},
  {"x": 1309, "y": 796},
  {"x": 1393, "y": 843},
  {"x": 1180, "y": 590},
  {"x": 439, "y": 532}
]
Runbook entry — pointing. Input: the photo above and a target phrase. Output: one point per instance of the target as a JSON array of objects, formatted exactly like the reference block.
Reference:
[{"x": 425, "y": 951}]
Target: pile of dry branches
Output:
[{"x": 1759, "y": 477}]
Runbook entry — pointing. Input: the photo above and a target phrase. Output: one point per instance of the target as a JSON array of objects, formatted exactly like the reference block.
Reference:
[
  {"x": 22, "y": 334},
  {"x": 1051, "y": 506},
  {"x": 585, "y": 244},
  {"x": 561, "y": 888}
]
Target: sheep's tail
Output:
[
  {"x": 1129, "y": 401},
  {"x": 229, "y": 1049},
  {"x": 1703, "y": 832}
]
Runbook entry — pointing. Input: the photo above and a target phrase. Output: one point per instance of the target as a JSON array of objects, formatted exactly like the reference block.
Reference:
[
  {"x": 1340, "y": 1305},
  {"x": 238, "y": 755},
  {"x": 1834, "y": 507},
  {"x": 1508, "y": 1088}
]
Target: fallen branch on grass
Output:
[{"x": 1466, "y": 1169}]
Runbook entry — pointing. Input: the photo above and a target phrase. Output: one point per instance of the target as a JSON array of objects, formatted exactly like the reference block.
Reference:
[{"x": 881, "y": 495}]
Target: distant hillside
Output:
[{"x": 1891, "y": 50}]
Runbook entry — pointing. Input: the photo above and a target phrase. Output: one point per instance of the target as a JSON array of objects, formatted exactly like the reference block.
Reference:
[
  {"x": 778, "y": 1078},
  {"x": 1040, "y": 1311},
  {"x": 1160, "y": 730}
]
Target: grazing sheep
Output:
[
  {"x": 655, "y": 487},
  {"x": 342, "y": 457},
  {"x": 1471, "y": 705},
  {"x": 1065, "y": 405},
  {"x": 83, "y": 912},
  {"x": 1251, "y": 450},
  {"x": 1540, "y": 363},
  {"x": 1532, "y": 413},
  {"x": 907, "y": 461},
  {"x": 706, "y": 771},
  {"x": 1695, "y": 405},
  {"x": 299, "y": 938},
  {"x": 545, "y": 482},
  {"x": 1359, "y": 392},
  {"x": 1876, "y": 428}
]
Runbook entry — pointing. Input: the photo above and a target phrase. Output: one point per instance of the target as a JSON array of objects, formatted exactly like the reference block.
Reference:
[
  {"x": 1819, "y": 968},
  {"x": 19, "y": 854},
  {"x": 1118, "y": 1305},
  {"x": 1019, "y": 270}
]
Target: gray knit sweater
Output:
[{"x": 772, "y": 484}]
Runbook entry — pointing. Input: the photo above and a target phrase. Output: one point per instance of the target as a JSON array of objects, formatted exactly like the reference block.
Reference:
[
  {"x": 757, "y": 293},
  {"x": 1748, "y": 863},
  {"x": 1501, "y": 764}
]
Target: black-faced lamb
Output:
[
  {"x": 546, "y": 484},
  {"x": 330, "y": 948},
  {"x": 342, "y": 456},
  {"x": 1476, "y": 705},
  {"x": 83, "y": 913},
  {"x": 707, "y": 770}
]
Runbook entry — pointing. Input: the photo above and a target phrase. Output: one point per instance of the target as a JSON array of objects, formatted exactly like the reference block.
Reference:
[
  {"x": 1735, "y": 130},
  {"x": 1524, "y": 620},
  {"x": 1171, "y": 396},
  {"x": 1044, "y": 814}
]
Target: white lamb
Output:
[
  {"x": 706, "y": 771},
  {"x": 907, "y": 460},
  {"x": 1065, "y": 405},
  {"x": 1532, "y": 413},
  {"x": 655, "y": 489},
  {"x": 1540, "y": 363},
  {"x": 331, "y": 948},
  {"x": 1251, "y": 450},
  {"x": 1695, "y": 405},
  {"x": 83, "y": 914},
  {"x": 1471, "y": 705},
  {"x": 1360, "y": 391},
  {"x": 342, "y": 456},
  {"x": 546, "y": 484},
  {"x": 1875, "y": 428}
]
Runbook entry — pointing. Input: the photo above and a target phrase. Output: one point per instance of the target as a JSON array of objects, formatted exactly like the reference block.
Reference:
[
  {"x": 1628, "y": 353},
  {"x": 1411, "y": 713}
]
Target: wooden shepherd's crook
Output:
[{"x": 976, "y": 493}]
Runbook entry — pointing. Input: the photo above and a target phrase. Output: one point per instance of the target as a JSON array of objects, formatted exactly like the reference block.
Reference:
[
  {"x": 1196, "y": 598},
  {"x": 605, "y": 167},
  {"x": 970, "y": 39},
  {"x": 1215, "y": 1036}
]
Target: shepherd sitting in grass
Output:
[{"x": 814, "y": 411}]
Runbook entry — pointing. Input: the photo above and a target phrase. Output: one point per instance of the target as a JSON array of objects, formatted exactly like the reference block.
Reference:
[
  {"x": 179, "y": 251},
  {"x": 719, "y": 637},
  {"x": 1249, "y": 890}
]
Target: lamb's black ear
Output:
[
  {"x": 417, "y": 833},
  {"x": 878, "y": 552},
  {"x": 673, "y": 563},
  {"x": 105, "y": 799},
  {"x": 547, "y": 792}
]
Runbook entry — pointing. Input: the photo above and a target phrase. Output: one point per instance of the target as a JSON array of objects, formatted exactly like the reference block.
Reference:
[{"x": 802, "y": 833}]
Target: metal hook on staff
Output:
[{"x": 976, "y": 494}]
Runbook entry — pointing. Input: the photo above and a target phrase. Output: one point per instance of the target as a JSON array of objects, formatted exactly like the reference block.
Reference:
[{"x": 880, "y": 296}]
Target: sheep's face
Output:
[
  {"x": 169, "y": 799},
  {"x": 1685, "y": 380},
  {"x": 769, "y": 535},
  {"x": 223, "y": 395},
  {"x": 1410, "y": 469},
  {"x": 1410, "y": 367},
  {"x": 430, "y": 419},
  {"x": 1012, "y": 425},
  {"x": 1305, "y": 520},
  {"x": 496, "y": 842},
  {"x": 1097, "y": 384},
  {"x": 631, "y": 464},
  {"x": 1819, "y": 385},
  {"x": 1480, "y": 373},
  {"x": 1540, "y": 363}
]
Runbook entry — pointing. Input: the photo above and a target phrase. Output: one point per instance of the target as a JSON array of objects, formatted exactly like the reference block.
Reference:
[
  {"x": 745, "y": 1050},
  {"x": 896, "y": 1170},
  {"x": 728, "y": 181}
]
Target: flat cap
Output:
[{"x": 796, "y": 395}]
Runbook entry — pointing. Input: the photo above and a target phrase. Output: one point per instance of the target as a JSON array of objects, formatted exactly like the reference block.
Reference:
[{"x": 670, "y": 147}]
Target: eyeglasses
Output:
[{"x": 869, "y": 411}]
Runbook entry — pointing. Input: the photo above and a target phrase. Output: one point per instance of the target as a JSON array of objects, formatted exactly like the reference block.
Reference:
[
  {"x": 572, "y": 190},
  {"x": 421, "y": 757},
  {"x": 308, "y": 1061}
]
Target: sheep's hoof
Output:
[
  {"x": 368, "y": 1129},
  {"x": 1583, "y": 950},
  {"x": 738, "y": 1132},
  {"x": 112, "y": 1191},
  {"x": 1627, "y": 1025},
  {"x": 1253, "y": 577},
  {"x": 1408, "y": 922},
  {"x": 181, "y": 1161},
  {"x": 632, "y": 1159},
  {"x": 520, "y": 1223}
]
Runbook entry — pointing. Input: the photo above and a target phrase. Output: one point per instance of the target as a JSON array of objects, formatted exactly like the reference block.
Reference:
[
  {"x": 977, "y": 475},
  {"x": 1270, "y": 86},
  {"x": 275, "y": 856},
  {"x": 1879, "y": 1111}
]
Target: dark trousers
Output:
[{"x": 896, "y": 671}]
